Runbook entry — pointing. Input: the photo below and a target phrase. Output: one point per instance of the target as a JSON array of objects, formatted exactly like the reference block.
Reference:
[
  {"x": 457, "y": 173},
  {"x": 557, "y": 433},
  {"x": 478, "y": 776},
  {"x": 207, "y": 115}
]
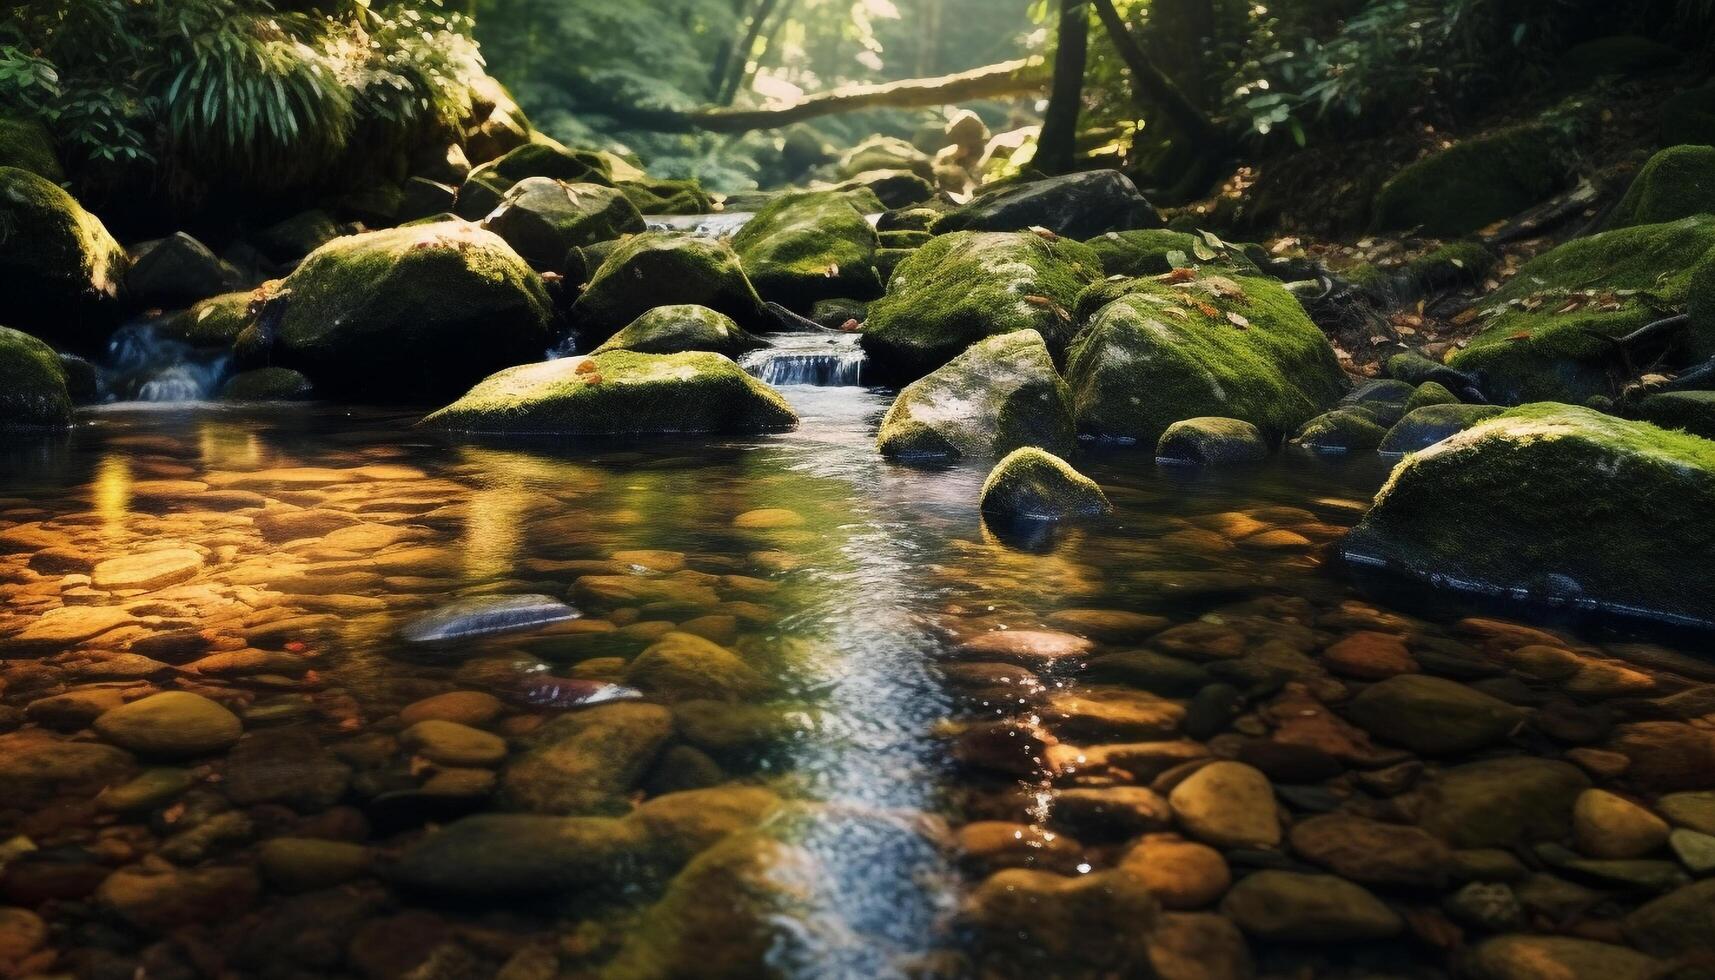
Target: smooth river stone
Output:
[
  {"x": 172, "y": 724},
  {"x": 1030, "y": 648},
  {"x": 147, "y": 571},
  {"x": 1285, "y": 906},
  {"x": 1228, "y": 804},
  {"x": 484, "y": 615},
  {"x": 449, "y": 743}
]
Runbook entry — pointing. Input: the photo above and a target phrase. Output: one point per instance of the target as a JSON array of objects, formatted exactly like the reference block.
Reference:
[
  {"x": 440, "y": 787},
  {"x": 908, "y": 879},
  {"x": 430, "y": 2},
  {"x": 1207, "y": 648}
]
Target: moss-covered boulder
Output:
[
  {"x": 269, "y": 384},
  {"x": 1676, "y": 183},
  {"x": 1212, "y": 441},
  {"x": 668, "y": 196},
  {"x": 60, "y": 271},
  {"x": 1688, "y": 118},
  {"x": 1616, "y": 56},
  {"x": 409, "y": 314},
  {"x": 175, "y": 271},
  {"x": 666, "y": 269},
  {"x": 619, "y": 393},
  {"x": 1548, "y": 329},
  {"x": 1237, "y": 347},
  {"x": 1001, "y": 394},
  {"x": 676, "y": 329},
  {"x": 543, "y": 218},
  {"x": 1030, "y": 484},
  {"x": 542, "y": 157},
  {"x": 27, "y": 145},
  {"x": 1155, "y": 251},
  {"x": 807, "y": 247},
  {"x": 1688, "y": 411},
  {"x": 1555, "y": 503},
  {"x": 1474, "y": 183},
  {"x": 1344, "y": 430},
  {"x": 33, "y": 393},
  {"x": 965, "y": 286},
  {"x": 892, "y": 188},
  {"x": 1426, "y": 426},
  {"x": 215, "y": 322},
  {"x": 1079, "y": 206}
]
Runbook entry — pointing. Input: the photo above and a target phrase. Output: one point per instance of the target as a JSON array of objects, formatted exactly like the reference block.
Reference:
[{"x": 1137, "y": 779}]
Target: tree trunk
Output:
[
  {"x": 1057, "y": 146},
  {"x": 1023, "y": 77},
  {"x": 1155, "y": 89},
  {"x": 761, "y": 59},
  {"x": 738, "y": 64}
]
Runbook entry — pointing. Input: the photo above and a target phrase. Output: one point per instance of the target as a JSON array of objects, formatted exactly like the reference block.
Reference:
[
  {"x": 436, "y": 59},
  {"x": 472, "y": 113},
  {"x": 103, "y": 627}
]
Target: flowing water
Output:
[
  {"x": 818, "y": 359},
  {"x": 283, "y": 551}
]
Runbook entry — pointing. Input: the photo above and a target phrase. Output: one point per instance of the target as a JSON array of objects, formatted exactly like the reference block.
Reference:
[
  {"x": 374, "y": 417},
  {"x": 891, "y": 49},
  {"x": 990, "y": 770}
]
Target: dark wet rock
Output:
[
  {"x": 1502, "y": 802},
  {"x": 1696, "y": 851},
  {"x": 1426, "y": 426},
  {"x": 893, "y": 188},
  {"x": 1371, "y": 852},
  {"x": 1236, "y": 347},
  {"x": 171, "y": 725},
  {"x": 1200, "y": 946},
  {"x": 1539, "y": 957},
  {"x": 33, "y": 389},
  {"x": 73, "y": 710},
  {"x": 588, "y": 761},
  {"x": 1681, "y": 923},
  {"x": 807, "y": 247},
  {"x": 1285, "y": 762},
  {"x": 493, "y": 855},
  {"x": 1474, "y": 511},
  {"x": 1695, "y": 810},
  {"x": 1489, "y": 906},
  {"x": 285, "y": 765},
  {"x": 740, "y": 733},
  {"x": 676, "y": 329},
  {"x": 35, "y": 767},
  {"x": 269, "y": 384},
  {"x": 1110, "y": 812},
  {"x": 421, "y": 198},
  {"x": 1031, "y": 484},
  {"x": 1666, "y": 756},
  {"x": 1149, "y": 671},
  {"x": 410, "y": 313},
  {"x": 448, "y": 743},
  {"x": 963, "y": 287},
  {"x": 1211, "y": 441},
  {"x": 150, "y": 789},
  {"x": 663, "y": 269},
  {"x": 1459, "y": 190},
  {"x": 1095, "y": 924},
  {"x": 1001, "y": 394},
  {"x": 297, "y": 236},
  {"x": 543, "y": 219},
  {"x": 619, "y": 393},
  {"x": 1286, "y": 906},
  {"x": 1432, "y": 715},
  {"x": 300, "y": 864},
  {"x": 1641, "y": 876},
  {"x": 176, "y": 271},
  {"x": 484, "y": 615},
  {"x": 159, "y": 900},
  {"x": 1079, "y": 206},
  {"x": 1228, "y": 804}
]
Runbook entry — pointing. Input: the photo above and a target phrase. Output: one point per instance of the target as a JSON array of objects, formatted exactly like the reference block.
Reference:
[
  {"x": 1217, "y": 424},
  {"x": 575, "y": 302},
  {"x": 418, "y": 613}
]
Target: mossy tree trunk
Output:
[
  {"x": 1153, "y": 89},
  {"x": 1057, "y": 146}
]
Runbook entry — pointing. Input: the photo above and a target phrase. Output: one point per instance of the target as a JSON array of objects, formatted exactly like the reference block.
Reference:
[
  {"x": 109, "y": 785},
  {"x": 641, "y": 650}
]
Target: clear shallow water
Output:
[{"x": 853, "y": 586}]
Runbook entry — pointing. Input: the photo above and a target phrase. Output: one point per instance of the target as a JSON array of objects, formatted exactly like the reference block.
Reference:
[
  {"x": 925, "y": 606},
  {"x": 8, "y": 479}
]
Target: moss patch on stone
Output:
[
  {"x": 619, "y": 393},
  {"x": 1031, "y": 484},
  {"x": 1212, "y": 441},
  {"x": 666, "y": 269},
  {"x": 1688, "y": 411},
  {"x": 807, "y": 247},
  {"x": 1676, "y": 183},
  {"x": 1544, "y": 338},
  {"x": 542, "y": 157},
  {"x": 1344, "y": 430},
  {"x": 1234, "y": 347},
  {"x": 27, "y": 145},
  {"x": 999, "y": 395},
  {"x": 60, "y": 271},
  {"x": 1154, "y": 251},
  {"x": 1474, "y": 183},
  {"x": 675, "y": 329},
  {"x": 213, "y": 322},
  {"x": 668, "y": 196},
  {"x": 269, "y": 384},
  {"x": 1426, "y": 426},
  {"x": 33, "y": 393},
  {"x": 1555, "y": 503},
  {"x": 410, "y": 314},
  {"x": 965, "y": 286}
]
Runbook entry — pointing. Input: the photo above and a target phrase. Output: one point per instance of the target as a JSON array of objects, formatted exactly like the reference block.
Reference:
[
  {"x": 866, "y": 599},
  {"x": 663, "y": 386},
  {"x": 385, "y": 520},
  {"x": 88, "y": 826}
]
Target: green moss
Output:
[
  {"x": 543, "y": 219},
  {"x": 269, "y": 384},
  {"x": 33, "y": 393},
  {"x": 1544, "y": 339},
  {"x": 1622, "y": 55},
  {"x": 1688, "y": 118},
  {"x": 808, "y": 247},
  {"x": 27, "y": 145},
  {"x": 963, "y": 287},
  {"x": 888, "y": 260},
  {"x": 1212, "y": 441},
  {"x": 664, "y": 269},
  {"x": 60, "y": 271},
  {"x": 1036, "y": 485},
  {"x": 908, "y": 219},
  {"x": 1165, "y": 352},
  {"x": 1343, "y": 430},
  {"x": 889, "y": 188},
  {"x": 1430, "y": 393},
  {"x": 1474, "y": 183},
  {"x": 1688, "y": 411},
  {"x": 1426, "y": 426},
  {"x": 674, "y": 329},
  {"x": 905, "y": 239},
  {"x": 999, "y": 395},
  {"x": 1557, "y": 503},
  {"x": 1676, "y": 183},
  {"x": 668, "y": 196},
  {"x": 297, "y": 236},
  {"x": 1154, "y": 251},
  {"x": 410, "y": 314},
  {"x": 542, "y": 157},
  {"x": 214, "y": 322},
  {"x": 619, "y": 393}
]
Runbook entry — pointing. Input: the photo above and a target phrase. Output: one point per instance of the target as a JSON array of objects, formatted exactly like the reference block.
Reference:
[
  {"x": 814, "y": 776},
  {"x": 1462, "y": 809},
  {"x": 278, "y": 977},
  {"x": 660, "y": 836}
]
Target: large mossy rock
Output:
[
  {"x": 1557, "y": 503},
  {"x": 409, "y": 314},
  {"x": 666, "y": 269},
  {"x": 60, "y": 271},
  {"x": 1676, "y": 183},
  {"x": 668, "y": 196},
  {"x": 965, "y": 286},
  {"x": 619, "y": 393},
  {"x": 1690, "y": 411},
  {"x": 214, "y": 322},
  {"x": 27, "y": 145},
  {"x": 802, "y": 248},
  {"x": 1033, "y": 485},
  {"x": 1237, "y": 347},
  {"x": 1154, "y": 251},
  {"x": 676, "y": 329},
  {"x": 543, "y": 218},
  {"x": 33, "y": 393},
  {"x": 1079, "y": 206},
  {"x": 1546, "y": 338},
  {"x": 543, "y": 157},
  {"x": 1001, "y": 394},
  {"x": 1471, "y": 184}
]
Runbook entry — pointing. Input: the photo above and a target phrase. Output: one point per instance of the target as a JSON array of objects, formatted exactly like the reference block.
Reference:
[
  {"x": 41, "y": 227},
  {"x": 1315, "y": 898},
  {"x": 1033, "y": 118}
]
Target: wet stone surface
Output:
[{"x": 308, "y": 692}]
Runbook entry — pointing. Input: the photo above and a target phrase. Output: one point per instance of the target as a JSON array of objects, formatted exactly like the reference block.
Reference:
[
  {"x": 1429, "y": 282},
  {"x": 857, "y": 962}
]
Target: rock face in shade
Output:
[
  {"x": 60, "y": 271},
  {"x": 409, "y": 314},
  {"x": 1077, "y": 206},
  {"x": 33, "y": 392},
  {"x": 802, "y": 248},
  {"x": 1033, "y": 485},
  {"x": 542, "y": 218},
  {"x": 665, "y": 269},
  {"x": 1286, "y": 906},
  {"x": 1555, "y": 503},
  {"x": 619, "y": 393},
  {"x": 1001, "y": 394}
]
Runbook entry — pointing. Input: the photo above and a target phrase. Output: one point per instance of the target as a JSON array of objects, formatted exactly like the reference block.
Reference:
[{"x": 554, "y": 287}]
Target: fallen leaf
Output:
[
  {"x": 585, "y": 367},
  {"x": 1238, "y": 321}
]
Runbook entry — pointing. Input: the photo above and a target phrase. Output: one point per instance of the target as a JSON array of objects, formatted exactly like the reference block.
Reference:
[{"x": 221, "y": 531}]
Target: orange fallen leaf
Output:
[{"x": 585, "y": 367}]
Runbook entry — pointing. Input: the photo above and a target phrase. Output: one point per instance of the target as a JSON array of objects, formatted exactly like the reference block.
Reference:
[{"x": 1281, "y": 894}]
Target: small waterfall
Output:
[
  {"x": 828, "y": 360},
  {"x": 701, "y": 225},
  {"x": 143, "y": 365}
]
